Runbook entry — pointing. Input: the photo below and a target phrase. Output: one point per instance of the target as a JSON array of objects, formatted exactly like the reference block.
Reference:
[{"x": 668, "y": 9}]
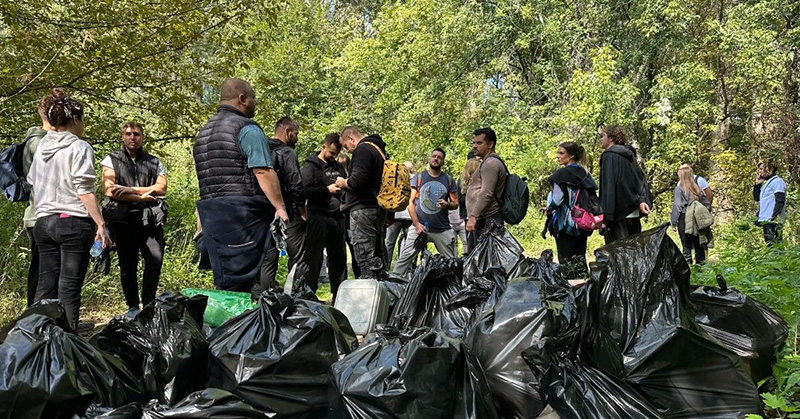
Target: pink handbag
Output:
[{"x": 585, "y": 220}]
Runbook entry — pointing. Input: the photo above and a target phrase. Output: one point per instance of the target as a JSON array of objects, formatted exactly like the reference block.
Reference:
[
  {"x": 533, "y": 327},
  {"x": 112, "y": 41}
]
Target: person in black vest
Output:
[
  {"x": 239, "y": 191},
  {"x": 326, "y": 226},
  {"x": 135, "y": 184},
  {"x": 284, "y": 160}
]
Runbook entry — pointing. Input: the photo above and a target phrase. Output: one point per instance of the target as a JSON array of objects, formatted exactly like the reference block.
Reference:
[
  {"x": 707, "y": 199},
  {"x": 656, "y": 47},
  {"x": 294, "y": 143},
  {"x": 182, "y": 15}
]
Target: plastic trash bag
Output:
[
  {"x": 647, "y": 335},
  {"x": 579, "y": 391},
  {"x": 47, "y": 371},
  {"x": 482, "y": 291},
  {"x": 531, "y": 309},
  {"x": 208, "y": 403},
  {"x": 417, "y": 373},
  {"x": 424, "y": 302},
  {"x": 497, "y": 248},
  {"x": 742, "y": 324},
  {"x": 164, "y": 344},
  {"x": 276, "y": 357},
  {"x": 222, "y": 305}
]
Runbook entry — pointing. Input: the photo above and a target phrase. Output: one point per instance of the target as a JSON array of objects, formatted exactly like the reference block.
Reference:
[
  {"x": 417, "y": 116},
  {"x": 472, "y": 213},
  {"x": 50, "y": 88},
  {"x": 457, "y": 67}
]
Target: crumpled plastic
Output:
[
  {"x": 742, "y": 324},
  {"x": 647, "y": 336},
  {"x": 164, "y": 344},
  {"x": 276, "y": 357},
  {"x": 48, "y": 371},
  {"x": 222, "y": 305},
  {"x": 417, "y": 373},
  {"x": 208, "y": 403},
  {"x": 424, "y": 302},
  {"x": 530, "y": 310},
  {"x": 496, "y": 248}
]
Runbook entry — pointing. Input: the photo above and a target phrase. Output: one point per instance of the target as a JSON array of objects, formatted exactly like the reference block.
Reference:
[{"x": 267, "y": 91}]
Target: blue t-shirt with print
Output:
[
  {"x": 430, "y": 190},
  {"x": 766, "y": 201}
]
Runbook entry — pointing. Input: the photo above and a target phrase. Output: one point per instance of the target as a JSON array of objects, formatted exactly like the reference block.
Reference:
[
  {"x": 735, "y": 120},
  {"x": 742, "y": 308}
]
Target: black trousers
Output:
[
  {"x": 33, "y": 269},
  {"x": 326, "y": 233},
  {"x": 772, "y": 234},
  {"x": 368, "y": 229},
  {"x": 621, "y": 229},
  {"x": 689, "y": 242},
  {"x": 64, "y": 245},
  {"x": 572, "y": 255},
  {"x": 482, "y": 226},
  {"x": 348, "y": 238},
  {"x": 131, "y": 241},
  {"x": 295, "y": 248}
]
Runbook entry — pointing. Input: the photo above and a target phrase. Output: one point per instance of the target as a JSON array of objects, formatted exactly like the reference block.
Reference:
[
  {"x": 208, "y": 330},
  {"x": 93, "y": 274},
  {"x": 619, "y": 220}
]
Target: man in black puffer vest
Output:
[
  {"x": 135, "y": 184},
  {"x": 239, "y": 191},
  {"x": 284, "y": 160}
]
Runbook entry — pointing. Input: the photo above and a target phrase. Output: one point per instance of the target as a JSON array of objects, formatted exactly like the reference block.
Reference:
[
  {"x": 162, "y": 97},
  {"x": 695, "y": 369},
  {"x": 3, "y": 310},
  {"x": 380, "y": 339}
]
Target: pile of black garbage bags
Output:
[{"x": 491, "y": 335}]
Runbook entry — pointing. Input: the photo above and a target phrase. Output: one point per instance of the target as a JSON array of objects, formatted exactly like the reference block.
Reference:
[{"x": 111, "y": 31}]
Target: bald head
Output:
[{"x": 239, "y": 94}]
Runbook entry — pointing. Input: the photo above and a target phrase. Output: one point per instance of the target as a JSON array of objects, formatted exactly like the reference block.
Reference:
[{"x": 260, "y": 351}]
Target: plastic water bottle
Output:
[{"x": 97, "y": 249}]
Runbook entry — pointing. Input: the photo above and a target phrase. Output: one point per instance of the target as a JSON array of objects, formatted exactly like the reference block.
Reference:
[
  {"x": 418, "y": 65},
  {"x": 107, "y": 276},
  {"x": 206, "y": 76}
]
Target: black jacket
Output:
[
  {"x": 284, "y": 161},
  {"x": 622, "y": 183},
  {"x": 366, "y": 171},
  {"x": 317, "y": 176}
]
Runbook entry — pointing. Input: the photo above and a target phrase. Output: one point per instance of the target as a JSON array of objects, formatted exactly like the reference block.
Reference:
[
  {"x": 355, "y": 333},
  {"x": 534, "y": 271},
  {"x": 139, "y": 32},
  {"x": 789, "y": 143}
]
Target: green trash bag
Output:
[{"x": 222, "y": 305}]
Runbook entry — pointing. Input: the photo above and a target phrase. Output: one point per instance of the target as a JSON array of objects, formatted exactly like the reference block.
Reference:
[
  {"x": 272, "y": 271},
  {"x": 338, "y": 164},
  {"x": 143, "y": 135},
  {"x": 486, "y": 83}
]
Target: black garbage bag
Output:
[
  {"x": 128, "y": 411},
  {"x": 47, "y": 371},
  {"x": 164, "y": 345},
  {"x": 531, "y": 309},
  {"x": 276, "y": 357},
  {"x": 646, "y": 334},
  {"x": 496, "y": 248},
  {"x": 424, "y": 303},
  {"x": 482, "y": 291},
  {"x": 396, "y": 286},
  {"x": 417, "y": 373},
  {"x": 576, "y": 390},
  {"x": 742, "y": 324},
  {"x": 208, "y": 403}
]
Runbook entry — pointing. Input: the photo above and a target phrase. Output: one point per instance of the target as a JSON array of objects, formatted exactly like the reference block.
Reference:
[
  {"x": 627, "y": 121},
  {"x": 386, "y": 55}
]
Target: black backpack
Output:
[
  {"x": 516, "y": 197},
  {"x": 13, "y": 181}
]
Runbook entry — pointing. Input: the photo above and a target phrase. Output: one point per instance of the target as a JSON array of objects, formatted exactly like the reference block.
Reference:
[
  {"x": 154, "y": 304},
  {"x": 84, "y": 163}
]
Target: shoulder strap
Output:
[
  {"x": 577, "y": 194},
  {"x": 383, "y": 156}
]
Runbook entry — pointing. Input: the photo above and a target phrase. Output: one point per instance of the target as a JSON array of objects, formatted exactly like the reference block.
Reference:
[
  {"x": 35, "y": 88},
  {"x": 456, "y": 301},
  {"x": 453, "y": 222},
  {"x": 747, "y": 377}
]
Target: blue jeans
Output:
[{"x": 64, "y": 244}]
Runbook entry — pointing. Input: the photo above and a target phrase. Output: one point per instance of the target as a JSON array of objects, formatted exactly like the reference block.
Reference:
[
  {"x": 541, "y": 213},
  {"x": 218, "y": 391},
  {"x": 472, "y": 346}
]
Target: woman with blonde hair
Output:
[
  {"x": 457, "y": 216},
  {"x": 686, "y": 192}
]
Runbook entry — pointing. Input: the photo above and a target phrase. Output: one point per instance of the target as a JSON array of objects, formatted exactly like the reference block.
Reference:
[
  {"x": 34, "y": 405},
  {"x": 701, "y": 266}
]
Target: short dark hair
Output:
[
  {"x": 332, "y": 138},
  {"x": 61, "y": 109},
  {"x": 286, "y": 122},
  {"x": 444, "y": 155},
  {"x": 133, "y": 124},
  {"x": 770, "y": 164},
  {"x": 488, "y": 133},
  {"x": 471, "y": 154}
]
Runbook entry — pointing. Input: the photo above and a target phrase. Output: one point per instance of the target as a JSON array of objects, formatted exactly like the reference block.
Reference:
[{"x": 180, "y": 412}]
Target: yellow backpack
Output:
[{"x": 395, "y": 189}]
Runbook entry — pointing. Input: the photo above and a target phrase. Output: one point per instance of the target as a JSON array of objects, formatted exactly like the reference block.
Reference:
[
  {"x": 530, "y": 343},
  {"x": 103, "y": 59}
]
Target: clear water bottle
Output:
[{"x": 97, "y": 249}]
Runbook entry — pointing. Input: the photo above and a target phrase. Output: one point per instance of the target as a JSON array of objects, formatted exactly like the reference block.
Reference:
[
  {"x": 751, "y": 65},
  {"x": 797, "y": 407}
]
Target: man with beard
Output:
[
  {"x": 284, "y": 160},
  {"x": 326, "y": 226},
  {"x": 433, "y": 194},
  {"x": 239, "y": 191},
  {"x": 135, "y": 183}
]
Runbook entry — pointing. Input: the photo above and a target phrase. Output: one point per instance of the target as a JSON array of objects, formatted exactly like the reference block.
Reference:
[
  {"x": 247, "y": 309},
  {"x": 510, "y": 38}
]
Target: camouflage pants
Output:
[{"x": 368, "y": 235}]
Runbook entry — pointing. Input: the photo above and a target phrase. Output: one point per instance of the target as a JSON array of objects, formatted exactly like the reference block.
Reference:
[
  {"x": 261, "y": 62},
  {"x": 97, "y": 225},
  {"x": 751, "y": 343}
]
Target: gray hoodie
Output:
[{"x": 62, "y": 169}]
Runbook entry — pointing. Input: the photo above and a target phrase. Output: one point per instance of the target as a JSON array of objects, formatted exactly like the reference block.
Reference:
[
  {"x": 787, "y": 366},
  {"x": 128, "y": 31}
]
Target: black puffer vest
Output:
[
  {"x": 129, "y": 172},
  {"x": 221, "y": 167}
]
